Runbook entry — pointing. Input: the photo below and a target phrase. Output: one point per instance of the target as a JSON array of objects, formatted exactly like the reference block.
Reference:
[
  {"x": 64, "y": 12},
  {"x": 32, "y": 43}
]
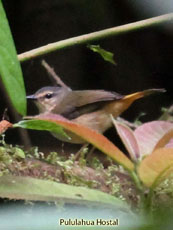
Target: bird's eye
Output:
[{"x": 48, "y": 95}]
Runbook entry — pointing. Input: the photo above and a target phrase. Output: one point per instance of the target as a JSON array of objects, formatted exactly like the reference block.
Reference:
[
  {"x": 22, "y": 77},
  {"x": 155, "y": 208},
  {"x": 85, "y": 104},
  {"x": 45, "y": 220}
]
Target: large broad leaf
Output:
[
  {"x": 62, "y": 202},
  {"x": 146, "y": 138},
  {"x": 88, "y": 135},
  {"x": 149, "y": 134},
  {"x": 10, "y": 70},
  {"x": 26, "y": 188},
  {"x": 154, "y": 166}
]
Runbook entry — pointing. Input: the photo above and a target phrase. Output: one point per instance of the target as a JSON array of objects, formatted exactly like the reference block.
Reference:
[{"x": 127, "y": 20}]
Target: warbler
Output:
[{"x": 91, "y": 108}]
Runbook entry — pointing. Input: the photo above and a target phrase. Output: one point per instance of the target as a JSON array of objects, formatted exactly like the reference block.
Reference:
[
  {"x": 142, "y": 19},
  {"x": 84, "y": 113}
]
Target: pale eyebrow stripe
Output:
[{"x": 44, "y": 93}]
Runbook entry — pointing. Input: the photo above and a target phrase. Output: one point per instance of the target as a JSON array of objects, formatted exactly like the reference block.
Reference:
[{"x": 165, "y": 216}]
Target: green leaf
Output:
[
  {"x": 86, "y": 134},
  {"x": 26, "y": 188},
  {"x": 106, "y": 55},
  {"x": 10, "y": 70},
  {"x": 155, "y": 166},
  {"x": 42, "y": 125}
]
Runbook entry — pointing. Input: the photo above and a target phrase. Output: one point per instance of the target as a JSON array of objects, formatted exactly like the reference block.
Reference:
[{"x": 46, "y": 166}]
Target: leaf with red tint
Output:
[
  {"x": 128, "y": 138},
  {"x": 170, "y": 144},
  {"x": 165, "y": 141},
  {"x": 4, "y": 125},
  {"x": 89, "y": 135},
  {"x": 154, "y": 166},
  {"x": 149, "y": 134}
]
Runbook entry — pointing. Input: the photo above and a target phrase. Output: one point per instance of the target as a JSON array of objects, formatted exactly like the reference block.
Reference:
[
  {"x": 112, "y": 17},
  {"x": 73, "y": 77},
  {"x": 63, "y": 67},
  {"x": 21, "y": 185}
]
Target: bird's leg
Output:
[
  {"x": 90, "y": 153},
  {"x": 81, "y": 150}
]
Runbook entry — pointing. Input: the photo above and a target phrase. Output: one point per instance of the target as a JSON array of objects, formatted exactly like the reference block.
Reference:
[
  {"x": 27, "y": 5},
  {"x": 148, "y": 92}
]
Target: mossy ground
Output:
[{"x": 91, "y": 173}]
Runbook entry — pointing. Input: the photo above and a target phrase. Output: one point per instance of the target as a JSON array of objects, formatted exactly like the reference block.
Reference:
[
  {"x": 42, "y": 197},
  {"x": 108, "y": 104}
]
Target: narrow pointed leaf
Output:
[
  {"x": 106, "y": 55},
  {"x": 150, "y": 133},
  {"x": 155, "y": 165},
  {"x": 41, "y": 125},
  {"x": 88, "y": 135},
  {"x": 10, "y": 70},
  {"x": 128, "y": 139}
]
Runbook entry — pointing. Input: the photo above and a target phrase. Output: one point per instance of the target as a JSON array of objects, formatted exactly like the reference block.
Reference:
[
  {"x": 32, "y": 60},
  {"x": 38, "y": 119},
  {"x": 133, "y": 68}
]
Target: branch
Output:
[
  {"x": 52, "y": 73},
  {"x": 83, "y": 39}
]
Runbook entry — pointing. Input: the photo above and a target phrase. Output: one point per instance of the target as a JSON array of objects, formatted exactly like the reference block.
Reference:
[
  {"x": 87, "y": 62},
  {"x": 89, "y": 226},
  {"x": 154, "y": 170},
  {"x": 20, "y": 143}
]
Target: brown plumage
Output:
[{"x": 91, "y": 108}]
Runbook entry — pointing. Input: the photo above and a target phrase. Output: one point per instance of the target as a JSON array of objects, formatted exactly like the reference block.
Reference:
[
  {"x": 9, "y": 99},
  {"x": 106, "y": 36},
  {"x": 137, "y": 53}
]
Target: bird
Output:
[{"x": 91, "y": 108}]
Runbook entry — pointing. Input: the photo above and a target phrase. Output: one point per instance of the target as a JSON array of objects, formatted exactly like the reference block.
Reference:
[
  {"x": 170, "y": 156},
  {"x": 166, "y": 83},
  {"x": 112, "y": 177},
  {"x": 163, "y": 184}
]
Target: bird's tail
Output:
[
  {"x": 144, "y": 93},
  {"x": 119, "y": 106}
]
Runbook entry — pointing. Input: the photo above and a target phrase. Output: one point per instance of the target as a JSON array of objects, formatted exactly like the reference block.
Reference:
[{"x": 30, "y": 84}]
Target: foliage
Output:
[
  {"x": 106, "y": 55},
  {"x": 145, "y": 176},
  {"x": 41, "y": 125},
  {"x": 10, "y": 70},
  {"x": 85, "y": 133}
]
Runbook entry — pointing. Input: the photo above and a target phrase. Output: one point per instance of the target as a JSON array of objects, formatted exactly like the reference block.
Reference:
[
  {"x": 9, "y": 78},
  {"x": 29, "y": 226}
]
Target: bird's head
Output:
[{"x": 47, "y": 98}]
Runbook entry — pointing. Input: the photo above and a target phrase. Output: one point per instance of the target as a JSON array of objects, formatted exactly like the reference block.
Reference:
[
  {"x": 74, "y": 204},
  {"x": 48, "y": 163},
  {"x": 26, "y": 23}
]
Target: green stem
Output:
[
  {"x": 83, "y": 39},
  {"x": 149, "y": 200},
  {"x": 141, "y": 190},
  {"x": 155, "y": 183},
  {"x": 136, "y": 180}
]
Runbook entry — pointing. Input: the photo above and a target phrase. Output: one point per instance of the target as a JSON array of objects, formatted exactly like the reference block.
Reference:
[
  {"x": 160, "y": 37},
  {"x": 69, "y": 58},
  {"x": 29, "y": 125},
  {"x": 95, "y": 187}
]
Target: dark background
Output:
[{"x": 144, "y": 58}]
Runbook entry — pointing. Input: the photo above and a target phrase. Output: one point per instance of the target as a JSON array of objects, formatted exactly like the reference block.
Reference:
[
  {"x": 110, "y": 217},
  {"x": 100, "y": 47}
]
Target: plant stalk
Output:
[
  {"x": 136, "y": 180},
  {"x": 84, "y": 39}
]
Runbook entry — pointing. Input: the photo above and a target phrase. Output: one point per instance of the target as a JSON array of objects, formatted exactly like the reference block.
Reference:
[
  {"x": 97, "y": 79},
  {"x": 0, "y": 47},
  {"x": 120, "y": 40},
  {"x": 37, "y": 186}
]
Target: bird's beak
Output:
[{"x": 32, "y": 97}]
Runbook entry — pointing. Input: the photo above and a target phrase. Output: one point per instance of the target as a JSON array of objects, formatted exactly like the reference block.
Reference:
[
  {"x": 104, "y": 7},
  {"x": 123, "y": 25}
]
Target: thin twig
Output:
[
  {"x": 83, "y": 39},
  {"x": 5, "y": 115},
  {"x": 128, "y": 123},
  {"x": 52, "y": 73}
]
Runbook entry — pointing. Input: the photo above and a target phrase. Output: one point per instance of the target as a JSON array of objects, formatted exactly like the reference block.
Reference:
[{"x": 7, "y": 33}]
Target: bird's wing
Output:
[
  {"x": 87, "y": 101},
  {"x": 85, "y": 97}
]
